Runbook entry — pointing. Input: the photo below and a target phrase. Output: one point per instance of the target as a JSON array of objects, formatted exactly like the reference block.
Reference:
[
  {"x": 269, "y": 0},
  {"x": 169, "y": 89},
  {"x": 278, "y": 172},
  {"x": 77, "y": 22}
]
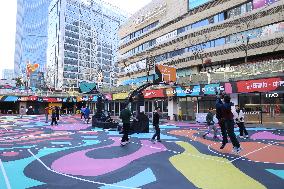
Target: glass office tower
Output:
[
  {"x": 82, "y": 42},
  {"x": 31, "y": 38}
]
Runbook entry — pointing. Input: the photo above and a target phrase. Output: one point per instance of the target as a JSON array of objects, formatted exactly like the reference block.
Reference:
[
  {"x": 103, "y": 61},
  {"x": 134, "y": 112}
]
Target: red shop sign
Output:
[
  {"x": 32, "y": 98},
  {"x": 260, "y": 85},
  {"x": 154, "y": 93}
]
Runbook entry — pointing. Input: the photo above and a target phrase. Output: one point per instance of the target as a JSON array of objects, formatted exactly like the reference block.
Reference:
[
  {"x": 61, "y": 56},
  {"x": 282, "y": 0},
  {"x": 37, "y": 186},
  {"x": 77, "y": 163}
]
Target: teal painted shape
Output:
[
  {"x": 143, "y": 135},
  {"x": 66, "y": 143},
  {"x": 89, "y": 136},
  {"x": 279, "y": 173},
  {"x": 23, "y": 147},
  {"x": 145, "y": 177},
  {"x": 15, "y": 169}
]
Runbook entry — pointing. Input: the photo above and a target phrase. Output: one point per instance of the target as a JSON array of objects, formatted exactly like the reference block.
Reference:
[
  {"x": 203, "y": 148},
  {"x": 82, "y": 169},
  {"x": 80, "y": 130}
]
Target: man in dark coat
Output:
[
  {"x": 156, "y": 120},
  {"x": 125, "y": 116}
]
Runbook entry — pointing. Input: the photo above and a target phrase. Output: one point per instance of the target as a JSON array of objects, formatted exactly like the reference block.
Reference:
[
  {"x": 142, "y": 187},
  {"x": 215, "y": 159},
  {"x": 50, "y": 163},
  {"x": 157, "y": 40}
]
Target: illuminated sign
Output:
[{"x": 272, "y": 95}]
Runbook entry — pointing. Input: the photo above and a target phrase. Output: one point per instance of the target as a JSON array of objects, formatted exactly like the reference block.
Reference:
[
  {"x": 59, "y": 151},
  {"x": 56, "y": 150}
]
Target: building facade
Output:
[
  {"x": 8, "y": 74},
  {"x": 82, "y": 43},
  {"x": 208, "y": 42},
  {"x": 31, "y": 39}
]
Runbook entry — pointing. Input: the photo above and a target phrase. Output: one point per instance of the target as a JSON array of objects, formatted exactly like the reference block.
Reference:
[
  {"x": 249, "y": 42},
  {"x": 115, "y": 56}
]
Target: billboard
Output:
[
  {"x": 196, "y": 3},
  {"x": 261, "y": 3},
  {"x": 165, "y": 73},
  {"x": 87, "y": 87}
]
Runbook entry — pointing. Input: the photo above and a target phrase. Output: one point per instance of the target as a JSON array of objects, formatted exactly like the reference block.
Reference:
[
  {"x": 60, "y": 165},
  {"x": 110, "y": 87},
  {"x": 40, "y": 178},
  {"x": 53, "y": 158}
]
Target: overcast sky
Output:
[{"x": 8, "y": 11}]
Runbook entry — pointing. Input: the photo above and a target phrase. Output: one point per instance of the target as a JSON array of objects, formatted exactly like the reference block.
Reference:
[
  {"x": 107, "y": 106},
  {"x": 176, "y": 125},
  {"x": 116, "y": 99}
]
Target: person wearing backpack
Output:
[{"x": 211, "y": 124}]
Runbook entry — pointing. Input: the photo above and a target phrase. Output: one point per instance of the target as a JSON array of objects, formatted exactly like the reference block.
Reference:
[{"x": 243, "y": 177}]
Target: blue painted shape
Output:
[
  {"x": 66, "y": 143},
  {"x": 279, "y": 173},
  {"x": 89, "y": 136},
  {"x": 145, "y": 177},
  {"x": 256, "y": 129},
  {"x": 22, "y": 147},
  {"x": 15, "y": 169},
  {"x": 143, "y": 135}
]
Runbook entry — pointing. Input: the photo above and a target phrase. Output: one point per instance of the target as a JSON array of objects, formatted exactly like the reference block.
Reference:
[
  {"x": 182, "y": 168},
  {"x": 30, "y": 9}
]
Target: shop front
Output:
[
  {"x": 9, "y": 105},
  {"x": 156, "y": 98},
  {"x": 115, "y": 106}
]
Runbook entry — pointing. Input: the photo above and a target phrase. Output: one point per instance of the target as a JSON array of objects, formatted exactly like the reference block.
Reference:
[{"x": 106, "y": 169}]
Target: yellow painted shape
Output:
[{"x": 212, "y": 173}]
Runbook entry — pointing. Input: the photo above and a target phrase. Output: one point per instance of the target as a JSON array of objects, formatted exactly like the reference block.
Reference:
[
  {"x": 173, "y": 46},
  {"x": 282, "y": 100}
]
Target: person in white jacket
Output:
[{"x": 239, "y": 117}]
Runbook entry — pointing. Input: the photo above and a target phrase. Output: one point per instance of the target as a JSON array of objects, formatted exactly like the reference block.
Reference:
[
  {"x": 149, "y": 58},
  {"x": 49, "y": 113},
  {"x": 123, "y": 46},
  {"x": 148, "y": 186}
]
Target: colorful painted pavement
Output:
[{"x": 35, "y": 155}]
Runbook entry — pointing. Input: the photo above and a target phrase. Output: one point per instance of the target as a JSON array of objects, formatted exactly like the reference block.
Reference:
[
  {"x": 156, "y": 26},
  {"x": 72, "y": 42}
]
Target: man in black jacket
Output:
[
  {"x": 125, "y": 116},
  {"x": 221, "y": 121},
  {"x": 156, "y": 120}
]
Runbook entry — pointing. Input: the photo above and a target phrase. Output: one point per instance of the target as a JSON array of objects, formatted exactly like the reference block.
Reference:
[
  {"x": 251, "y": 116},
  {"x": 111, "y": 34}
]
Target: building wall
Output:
[
  {"x": 85, "y": 43},
  {"x": 261, "y": 17},
  {"x": 31, "y": 36}
]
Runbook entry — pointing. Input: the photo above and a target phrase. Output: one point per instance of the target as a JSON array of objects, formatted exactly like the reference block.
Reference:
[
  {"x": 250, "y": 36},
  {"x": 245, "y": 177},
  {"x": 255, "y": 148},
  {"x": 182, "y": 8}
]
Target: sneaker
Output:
[
  {"x": 159, "y": 141},
  {"x": 241, "y": 137},
  {"x": 123, "y": 143},
  {"x": 223, "y": 145},
  {"x": 153, "y": 141},
  {"x": 127, "y": 142},
  {"x": 237, "y": 150},
  {"x": 247, "y": 136}
]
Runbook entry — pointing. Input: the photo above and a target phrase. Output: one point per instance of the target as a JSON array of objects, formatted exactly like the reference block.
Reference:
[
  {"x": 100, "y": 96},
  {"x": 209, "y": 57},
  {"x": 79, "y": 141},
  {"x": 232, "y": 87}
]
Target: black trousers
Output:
[
  {"x": 242, "y": 128},
  {"x": 157, "y": 132},
  {"x": 57, "y": 116},
  {"x": 53, "y": 120},
  {"x": 223, "y": 131},
  {"x": 126, "y": 127},
  {"x": 230, "y": 130}
]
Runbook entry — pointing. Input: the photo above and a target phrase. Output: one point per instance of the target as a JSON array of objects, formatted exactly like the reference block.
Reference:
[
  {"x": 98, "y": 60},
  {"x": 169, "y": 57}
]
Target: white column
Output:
[{"x": 172, "y": 108}]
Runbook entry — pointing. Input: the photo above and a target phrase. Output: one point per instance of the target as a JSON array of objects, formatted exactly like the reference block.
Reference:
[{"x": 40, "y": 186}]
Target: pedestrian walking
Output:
[
  {"x": 57, "y": 111},
  {"x": 53, "y": 117},
  {"x": 46, "y": 112},
  {"x": 211, "y": 124},
  {"x": 30, "y": 111},
  {"x": 87, "y": 115},
  {"x": 22, "y": 111},
  {"x": 229, "y": 124},
  {"x": 125, "y": 116},
  {"x": 221, "y": 121},
  {"x": 82, "y": 112},
  {"x": 240, "y": 121},
  {"x": 156, "y": 121}
]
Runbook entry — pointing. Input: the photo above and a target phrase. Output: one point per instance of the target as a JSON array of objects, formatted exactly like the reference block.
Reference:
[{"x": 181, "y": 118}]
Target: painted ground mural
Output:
[{"x": 75, "y": 155}]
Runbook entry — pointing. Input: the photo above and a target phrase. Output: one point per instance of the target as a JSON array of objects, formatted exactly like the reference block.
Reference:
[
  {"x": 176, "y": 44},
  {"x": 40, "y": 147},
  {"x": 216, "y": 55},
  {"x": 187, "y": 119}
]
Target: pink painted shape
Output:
[
  {"x": 10, "y": 154},
  {"x": 73, "y": 127},
  {"x": 177, "y": 123},
  {"x": 266, "y": 135},
  {"x": 78, "y": 163}
]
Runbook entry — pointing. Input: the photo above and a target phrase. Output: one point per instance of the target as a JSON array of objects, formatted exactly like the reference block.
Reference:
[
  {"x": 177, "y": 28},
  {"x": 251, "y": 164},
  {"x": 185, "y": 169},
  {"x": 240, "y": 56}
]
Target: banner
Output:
[
  {"x": 166, "y": 73},
  {"x": 261, "y": 85},
  {"x": 120, "y": 96},
  {"x": 159, "y": 93}
]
